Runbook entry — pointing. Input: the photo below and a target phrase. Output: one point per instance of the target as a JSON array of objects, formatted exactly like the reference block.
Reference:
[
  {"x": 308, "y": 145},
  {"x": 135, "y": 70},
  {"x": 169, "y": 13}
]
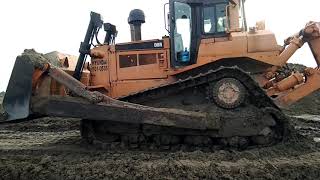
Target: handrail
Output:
[
  {"x": 165, "y": 18},
  {"x": 227, "y": 19}
]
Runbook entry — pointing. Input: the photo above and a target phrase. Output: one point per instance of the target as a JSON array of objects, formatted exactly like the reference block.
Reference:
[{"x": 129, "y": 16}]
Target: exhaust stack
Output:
[{"x": 135, "y": 20}]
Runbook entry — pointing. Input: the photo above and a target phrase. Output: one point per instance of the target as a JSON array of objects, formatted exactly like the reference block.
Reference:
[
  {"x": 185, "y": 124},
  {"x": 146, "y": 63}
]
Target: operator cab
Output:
[{"x": 193, "y": 20}]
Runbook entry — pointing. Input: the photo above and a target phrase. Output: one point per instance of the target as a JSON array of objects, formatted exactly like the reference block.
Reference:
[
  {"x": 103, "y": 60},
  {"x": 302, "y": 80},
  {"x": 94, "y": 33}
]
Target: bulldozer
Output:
[{"x": 211, "y": 80}]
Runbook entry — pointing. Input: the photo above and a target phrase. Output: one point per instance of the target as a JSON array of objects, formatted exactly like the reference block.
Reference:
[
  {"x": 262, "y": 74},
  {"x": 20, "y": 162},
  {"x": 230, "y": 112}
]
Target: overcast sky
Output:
[{"x": 60, "y": 25}]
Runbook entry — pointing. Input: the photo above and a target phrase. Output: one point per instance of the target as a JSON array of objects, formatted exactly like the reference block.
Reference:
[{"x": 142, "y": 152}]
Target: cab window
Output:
[
  {"x": 215, "y": 19},
  {"x": 182, "y": 31}
]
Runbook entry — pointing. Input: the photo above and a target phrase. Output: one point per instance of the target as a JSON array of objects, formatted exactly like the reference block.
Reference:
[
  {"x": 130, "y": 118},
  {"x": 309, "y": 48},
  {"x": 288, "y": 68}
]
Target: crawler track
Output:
[{"x": 192, "y": 94}]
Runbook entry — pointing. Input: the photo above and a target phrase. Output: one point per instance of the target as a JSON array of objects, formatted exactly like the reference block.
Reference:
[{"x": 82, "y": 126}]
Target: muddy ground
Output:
[{"x": 51, "y": 148}]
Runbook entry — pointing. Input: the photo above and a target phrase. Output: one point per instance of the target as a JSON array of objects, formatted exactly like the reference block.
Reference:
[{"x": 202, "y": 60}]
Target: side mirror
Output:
[{"x": 166, "y": 17}]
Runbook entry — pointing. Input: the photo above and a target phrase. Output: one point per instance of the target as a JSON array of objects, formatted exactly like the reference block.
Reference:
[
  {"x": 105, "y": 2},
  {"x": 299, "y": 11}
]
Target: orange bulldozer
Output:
[{"x": 212, "y": 81}]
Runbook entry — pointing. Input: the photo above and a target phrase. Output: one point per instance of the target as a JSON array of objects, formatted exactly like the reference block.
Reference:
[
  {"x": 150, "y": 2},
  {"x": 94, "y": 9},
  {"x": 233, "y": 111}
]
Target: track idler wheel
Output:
[{"x": 228, "y": 93}]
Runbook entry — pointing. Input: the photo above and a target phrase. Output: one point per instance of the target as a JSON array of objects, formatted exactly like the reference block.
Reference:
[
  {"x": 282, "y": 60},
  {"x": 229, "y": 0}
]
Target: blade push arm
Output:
[
  {"x": 311, "y": 35},
  {"x": 295, "y": 87}
]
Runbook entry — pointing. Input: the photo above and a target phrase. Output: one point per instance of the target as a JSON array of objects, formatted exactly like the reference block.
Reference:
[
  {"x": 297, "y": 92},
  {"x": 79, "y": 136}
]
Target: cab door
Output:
[{"x": 185, "y": 32}]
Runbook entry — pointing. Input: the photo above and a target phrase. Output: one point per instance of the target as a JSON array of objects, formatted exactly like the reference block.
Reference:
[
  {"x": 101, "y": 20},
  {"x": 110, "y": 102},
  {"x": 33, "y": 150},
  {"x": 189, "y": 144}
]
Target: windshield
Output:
[{"x": 215, "y": 18}]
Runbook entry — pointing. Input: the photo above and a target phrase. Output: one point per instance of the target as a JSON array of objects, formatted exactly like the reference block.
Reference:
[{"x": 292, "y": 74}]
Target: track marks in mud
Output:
[
  {"x": 61, "y": 155},
  {"x": 147, "y": 165}
]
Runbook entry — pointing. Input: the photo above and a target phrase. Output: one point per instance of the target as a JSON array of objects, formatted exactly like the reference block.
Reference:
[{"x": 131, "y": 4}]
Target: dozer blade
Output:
[{"x": 16, "y": 102}]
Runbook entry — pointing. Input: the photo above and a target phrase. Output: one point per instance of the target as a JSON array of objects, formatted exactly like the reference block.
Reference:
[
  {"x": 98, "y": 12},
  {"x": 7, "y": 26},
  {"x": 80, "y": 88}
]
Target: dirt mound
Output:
[
  {"x": 308, "y": 105},
  {"x": 1, "y": 99},
  {"x": 1, "y": 96}
]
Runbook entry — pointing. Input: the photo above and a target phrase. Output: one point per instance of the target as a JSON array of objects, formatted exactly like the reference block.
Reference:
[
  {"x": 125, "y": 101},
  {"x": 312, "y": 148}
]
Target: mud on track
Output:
[{"x": 51, "y": 148}]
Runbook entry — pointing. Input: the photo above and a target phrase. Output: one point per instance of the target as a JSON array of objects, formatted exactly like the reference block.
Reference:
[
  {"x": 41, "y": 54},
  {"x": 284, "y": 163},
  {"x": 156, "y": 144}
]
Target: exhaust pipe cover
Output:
[{"x": 135, "y": 20}]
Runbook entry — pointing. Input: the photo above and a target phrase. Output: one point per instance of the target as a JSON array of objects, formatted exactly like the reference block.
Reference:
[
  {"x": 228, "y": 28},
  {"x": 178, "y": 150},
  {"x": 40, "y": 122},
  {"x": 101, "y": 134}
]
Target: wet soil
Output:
[
  {"x": 307, "y": 105},
  {"x": 51, "y": 148}
]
